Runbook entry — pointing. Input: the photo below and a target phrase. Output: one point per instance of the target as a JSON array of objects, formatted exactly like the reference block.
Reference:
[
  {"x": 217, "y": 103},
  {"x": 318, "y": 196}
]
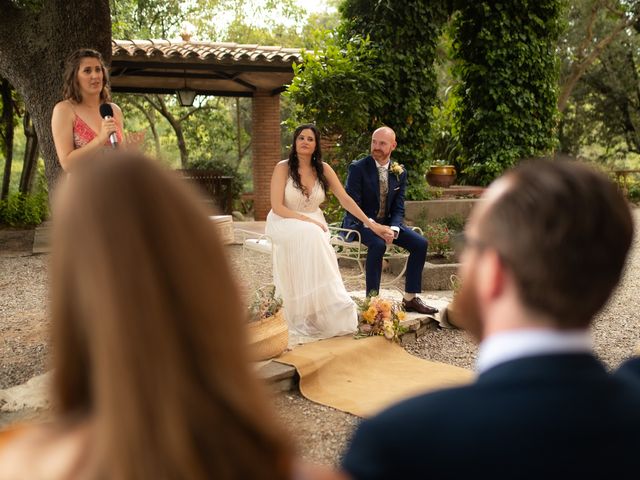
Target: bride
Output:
[{"x": 305, "y": 268}]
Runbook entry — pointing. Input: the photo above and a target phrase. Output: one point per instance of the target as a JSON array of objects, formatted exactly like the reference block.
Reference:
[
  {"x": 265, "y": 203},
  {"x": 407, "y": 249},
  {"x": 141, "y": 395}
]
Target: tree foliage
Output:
[
  {"x": 378, "y": 72},
  {"x": 592, "y": 26},
  {"x": 601, "y": 118},
  {"x": 604, "y": 108},
  {"x": 508, "y": 71},
  {"x": 168, "y": 18},
  {"x": 338, "y": 89}
]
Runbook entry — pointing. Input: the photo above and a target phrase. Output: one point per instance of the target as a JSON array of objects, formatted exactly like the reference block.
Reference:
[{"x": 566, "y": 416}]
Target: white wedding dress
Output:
[{"x": 305, "y": 270}]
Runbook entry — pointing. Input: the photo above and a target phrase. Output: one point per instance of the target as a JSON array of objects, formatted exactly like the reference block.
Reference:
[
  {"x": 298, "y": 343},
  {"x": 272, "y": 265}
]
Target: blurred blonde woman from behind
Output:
[
  {"x": 78, "y": 128},
  {"x": 151, "y": 377}
]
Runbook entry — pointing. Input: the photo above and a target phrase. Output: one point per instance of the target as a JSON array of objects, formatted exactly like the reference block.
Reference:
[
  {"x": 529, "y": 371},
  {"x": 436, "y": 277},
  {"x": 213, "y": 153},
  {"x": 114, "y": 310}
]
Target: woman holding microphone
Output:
[{"x": 85, "y": 120}]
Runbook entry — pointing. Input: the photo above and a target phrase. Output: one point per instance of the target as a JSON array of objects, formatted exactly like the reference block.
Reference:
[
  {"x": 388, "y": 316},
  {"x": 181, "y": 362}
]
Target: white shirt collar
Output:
[
  {"x": 383, "y": 166},
  {"x": 506, "y": 346}
]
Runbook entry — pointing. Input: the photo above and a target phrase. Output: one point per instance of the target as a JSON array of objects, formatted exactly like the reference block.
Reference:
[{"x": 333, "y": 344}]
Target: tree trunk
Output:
[
  {"x": 30, "y": 155},
  {"x": 151, "y": 118},
  {"x": 34, "y": 42},
  {"x": 7, "y": 120},
  {"x": 176, "y": 124}
]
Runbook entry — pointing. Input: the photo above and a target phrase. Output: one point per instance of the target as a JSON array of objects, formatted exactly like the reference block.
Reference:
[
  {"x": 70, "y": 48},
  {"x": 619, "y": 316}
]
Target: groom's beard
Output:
[{"x": 379, "y": 156}]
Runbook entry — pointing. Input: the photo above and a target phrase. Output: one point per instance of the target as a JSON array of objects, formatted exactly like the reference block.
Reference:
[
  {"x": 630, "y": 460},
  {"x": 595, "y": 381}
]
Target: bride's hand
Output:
[{"x": 320, "y": 224}]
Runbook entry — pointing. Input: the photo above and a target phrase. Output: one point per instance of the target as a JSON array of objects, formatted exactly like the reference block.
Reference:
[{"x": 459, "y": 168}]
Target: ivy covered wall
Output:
[
  {"x": 505, "y": 54},
  {"x": 378, "y": 69},
  {"x": 403, "y": 36}
]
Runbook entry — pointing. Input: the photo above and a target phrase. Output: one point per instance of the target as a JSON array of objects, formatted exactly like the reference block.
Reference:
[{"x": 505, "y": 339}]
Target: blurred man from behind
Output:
[{"x": 542, "y": 254}]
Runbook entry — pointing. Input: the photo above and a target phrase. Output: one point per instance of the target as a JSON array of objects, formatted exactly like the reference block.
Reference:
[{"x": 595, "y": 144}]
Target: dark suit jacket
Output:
[
  {"x": 553, "y": 416},
  {"x": 363, "y": 185}
]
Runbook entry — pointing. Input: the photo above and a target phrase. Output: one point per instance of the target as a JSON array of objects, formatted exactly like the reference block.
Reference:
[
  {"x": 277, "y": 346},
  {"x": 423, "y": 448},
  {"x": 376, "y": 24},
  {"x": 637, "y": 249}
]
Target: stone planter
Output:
[
  {"x": 450, "y": 316},
  {"x": 442, "y": 176}
]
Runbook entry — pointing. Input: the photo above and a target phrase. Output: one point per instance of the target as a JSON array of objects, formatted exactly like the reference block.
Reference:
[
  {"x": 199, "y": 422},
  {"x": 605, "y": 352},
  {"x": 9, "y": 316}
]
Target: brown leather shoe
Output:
[{"x": 417, "y": 305}]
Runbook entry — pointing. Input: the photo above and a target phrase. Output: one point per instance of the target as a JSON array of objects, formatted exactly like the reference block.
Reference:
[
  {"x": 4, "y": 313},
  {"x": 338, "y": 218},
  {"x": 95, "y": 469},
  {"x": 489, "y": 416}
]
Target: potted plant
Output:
[
  {"x": 268, "y": 333},
  {"x": 441, "y": 175}
]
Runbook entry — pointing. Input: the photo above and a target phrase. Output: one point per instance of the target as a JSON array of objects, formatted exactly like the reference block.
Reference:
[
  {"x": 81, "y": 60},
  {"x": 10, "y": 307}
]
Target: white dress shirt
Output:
[{"x": 512, "y": 345}]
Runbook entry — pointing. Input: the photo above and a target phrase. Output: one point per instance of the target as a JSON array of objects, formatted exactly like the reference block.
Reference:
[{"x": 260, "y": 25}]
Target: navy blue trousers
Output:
[{"x": 415, "y": 243}]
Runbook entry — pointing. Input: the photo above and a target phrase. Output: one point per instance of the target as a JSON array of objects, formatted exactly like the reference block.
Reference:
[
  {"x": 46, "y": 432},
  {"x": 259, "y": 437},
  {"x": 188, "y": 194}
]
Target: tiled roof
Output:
[{"x": 204, "y": 51}]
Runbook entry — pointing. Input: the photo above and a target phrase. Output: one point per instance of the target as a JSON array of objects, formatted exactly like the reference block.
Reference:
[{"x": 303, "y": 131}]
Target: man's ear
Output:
[{"x": 491, "y": 275}]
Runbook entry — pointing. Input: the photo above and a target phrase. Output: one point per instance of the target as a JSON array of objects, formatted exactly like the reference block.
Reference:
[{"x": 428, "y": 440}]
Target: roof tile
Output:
[{"x": 205, "y": 51}]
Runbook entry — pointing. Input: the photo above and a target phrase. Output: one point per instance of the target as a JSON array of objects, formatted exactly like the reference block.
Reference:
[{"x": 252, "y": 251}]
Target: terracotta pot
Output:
[{"x": 441, "y": 176}]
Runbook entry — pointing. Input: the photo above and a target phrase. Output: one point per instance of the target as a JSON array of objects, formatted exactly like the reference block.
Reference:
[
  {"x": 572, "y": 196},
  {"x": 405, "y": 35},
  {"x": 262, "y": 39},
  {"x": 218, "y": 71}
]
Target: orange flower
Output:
[{"x": 370, "y": 314}]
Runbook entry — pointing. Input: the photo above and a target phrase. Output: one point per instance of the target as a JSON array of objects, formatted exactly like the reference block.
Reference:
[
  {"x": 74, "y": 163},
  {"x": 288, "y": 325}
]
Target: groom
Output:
[{"x": 377, "y": 185}]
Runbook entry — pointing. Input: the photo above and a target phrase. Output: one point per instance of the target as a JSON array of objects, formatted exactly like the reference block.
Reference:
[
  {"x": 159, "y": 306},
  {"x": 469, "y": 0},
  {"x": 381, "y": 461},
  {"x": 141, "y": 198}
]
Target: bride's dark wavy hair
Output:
[{"x": 316, "y": 160}]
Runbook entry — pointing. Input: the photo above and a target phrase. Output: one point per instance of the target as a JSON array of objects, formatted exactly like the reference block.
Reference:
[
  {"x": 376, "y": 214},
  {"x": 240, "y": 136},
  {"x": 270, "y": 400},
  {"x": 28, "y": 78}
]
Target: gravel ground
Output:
[{"x": 320, "y": 432}]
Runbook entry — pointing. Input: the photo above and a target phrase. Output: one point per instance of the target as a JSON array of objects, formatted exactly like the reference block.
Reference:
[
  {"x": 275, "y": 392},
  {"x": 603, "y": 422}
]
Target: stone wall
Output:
[{"x": 431, "y": 210}]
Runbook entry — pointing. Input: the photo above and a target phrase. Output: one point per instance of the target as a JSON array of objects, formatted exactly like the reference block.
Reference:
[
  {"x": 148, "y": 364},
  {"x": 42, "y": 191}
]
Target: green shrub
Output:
[
  {"x": 439, "y": 237},
  {"x": 633, "y": 192},
  {"x": 20, "y": 210},
  {"x": 237, "y": 183},
  {"x": 455, "y": 223}
]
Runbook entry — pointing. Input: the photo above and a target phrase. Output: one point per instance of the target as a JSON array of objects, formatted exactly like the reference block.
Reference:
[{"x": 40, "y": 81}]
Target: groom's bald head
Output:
[{"x": 383, "y": 142}]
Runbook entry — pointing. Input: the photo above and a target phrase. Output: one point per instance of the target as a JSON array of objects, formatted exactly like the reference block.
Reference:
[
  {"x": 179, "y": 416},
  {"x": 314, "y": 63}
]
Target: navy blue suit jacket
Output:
[
  {"x": 363, "y": 185},
  {"x": 553, "y": 416}
]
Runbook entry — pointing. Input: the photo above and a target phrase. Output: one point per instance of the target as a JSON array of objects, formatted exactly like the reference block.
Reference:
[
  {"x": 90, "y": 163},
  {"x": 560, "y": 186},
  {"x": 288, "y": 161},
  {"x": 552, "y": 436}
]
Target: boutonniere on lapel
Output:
[{"x": 396, "y": 169}]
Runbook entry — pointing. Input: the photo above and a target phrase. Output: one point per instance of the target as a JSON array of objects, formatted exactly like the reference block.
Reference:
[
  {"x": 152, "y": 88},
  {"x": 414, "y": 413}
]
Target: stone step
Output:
[{"x": 42, "y": 238}]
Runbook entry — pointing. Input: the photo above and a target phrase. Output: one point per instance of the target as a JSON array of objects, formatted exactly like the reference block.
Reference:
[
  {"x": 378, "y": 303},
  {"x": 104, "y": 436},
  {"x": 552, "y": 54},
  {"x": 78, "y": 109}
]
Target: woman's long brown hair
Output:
[
  {"x": 71, "y": 89},
  {"x": 148, "y": 332}
]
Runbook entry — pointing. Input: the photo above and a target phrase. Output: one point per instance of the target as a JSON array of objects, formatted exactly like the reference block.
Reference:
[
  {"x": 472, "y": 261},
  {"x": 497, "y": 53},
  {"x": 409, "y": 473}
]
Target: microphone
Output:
[{"x": 106, "y": 111}]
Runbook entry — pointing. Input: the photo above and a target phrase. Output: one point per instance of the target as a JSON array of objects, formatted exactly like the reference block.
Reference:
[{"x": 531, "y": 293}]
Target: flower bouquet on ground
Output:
[
  {"x": 268, "y": 333},
  {"x": 378, "y": 316}
]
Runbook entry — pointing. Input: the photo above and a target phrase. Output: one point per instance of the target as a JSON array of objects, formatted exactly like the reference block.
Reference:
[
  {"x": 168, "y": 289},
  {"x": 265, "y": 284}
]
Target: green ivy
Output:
[
  {"x": 404, "y": 37},
  {"x": 505, "y": 59}
]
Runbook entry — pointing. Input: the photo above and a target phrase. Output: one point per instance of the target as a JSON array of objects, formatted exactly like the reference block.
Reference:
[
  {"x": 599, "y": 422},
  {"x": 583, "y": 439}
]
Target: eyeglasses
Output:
[{"x": 462, "y": 241}]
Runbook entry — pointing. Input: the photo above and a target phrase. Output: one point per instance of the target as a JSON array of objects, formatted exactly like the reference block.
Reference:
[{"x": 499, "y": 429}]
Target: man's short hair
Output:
[{"x": 564, "y": 231}]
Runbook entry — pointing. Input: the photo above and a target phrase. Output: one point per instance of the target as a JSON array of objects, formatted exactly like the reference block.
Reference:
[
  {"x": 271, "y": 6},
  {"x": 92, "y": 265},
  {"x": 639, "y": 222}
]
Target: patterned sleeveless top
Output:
[{"x": 83, "y": 133}]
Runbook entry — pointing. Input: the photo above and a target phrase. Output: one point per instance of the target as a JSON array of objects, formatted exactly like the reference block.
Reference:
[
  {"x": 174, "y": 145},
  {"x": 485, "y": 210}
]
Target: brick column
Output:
[{"x": 265, "y": 146}]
